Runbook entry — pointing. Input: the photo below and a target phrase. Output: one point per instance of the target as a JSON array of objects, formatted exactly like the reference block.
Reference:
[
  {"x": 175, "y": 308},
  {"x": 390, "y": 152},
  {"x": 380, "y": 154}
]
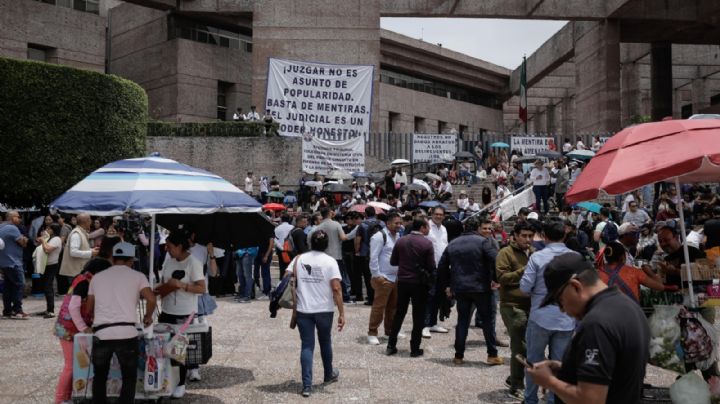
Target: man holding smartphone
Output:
[{"x": 605, "y": 361}]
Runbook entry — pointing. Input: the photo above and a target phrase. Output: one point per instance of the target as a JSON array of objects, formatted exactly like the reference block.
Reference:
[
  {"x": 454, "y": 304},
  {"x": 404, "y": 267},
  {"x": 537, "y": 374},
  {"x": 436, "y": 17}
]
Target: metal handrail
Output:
[{"x": 497, "y": 202}]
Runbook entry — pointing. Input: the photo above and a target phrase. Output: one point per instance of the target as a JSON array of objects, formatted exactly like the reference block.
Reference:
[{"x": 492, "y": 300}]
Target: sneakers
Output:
[
  {"x": 516, "y": 393},
  {"x": 48, "y": 314},
  {"x": 333, "y": 377},
  {"x": 418, "y": 353},
  {"x": 494, "y": 360},
  {"x": 426, "y": 332},
  {"x": 179, "y": 392},
  {"x": 458, "y": 361},
  {"x": 243, "y": 300},
  {"x": 390, "y": 351},
  {"x": 194, "y": 375},
  {"x": 306, "y": 391},
  {"x": 263, "y": 297},
  {"x": 21, "y": 316},
  {"x": 439, "y": 329},
  {"x": 373, "y": 340}
]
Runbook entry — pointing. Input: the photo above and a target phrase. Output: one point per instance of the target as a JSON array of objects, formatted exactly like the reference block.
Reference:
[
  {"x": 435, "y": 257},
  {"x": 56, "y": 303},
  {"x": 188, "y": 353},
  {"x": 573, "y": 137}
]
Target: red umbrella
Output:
[
  {"x": 680, "y": 150},
  {"x": 274, "y": 206},
  {"x": 688, "y": 150},
  {"x": 361, "y": 209}
]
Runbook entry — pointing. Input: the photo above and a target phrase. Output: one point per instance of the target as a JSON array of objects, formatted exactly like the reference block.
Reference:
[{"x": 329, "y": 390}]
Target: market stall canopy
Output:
[{"x": 652, "y": 152}]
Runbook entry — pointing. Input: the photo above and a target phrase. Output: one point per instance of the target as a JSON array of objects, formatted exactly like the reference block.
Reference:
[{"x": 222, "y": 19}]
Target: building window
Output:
[
  {"x": 419, "y": 126},
  {"x": 462, "y": 129},
  {"x": 179, "y": 27},
  {"x": 223, "y": 88},
  {"x": 37, "y": 52},
  {"x": 435, "y": 87},
  {"x": 686, "y": 111},
  {"x": 715, "y": 99},
  {"x": 88, "y": 6},
  {"x": 392, "y": 119},
  {"x": 442, "y": 126}
]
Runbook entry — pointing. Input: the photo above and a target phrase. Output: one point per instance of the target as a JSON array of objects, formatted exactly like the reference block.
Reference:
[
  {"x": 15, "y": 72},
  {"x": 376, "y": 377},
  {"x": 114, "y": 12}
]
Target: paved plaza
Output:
[{"x": 256, "y": 360}]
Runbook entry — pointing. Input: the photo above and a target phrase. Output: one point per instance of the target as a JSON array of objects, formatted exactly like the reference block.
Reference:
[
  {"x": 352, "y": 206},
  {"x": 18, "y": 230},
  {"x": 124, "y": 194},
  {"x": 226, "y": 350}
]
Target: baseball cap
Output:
[
  {"x": 533, "y": 216},
  {"x": 124, "y": 249},
  {"x": 560, "y": 271},
  {"x": 626, "y": 228}
]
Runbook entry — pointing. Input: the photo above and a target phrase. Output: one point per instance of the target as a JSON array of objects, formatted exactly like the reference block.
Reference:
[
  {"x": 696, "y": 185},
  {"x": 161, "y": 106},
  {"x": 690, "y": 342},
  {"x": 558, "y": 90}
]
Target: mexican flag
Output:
[{"x": 523, "y": 92}]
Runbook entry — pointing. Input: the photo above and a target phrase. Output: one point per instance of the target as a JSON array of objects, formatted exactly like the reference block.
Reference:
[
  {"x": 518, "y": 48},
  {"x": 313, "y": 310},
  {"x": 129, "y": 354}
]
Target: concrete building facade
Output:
[{"x": 615, "y": 62}]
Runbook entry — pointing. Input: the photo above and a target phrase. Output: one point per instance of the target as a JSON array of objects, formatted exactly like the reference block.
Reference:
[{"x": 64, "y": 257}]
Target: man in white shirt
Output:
[
  {"x": 472, "y": 206},
  {"x": 238, "y": 116},
  {"x": 253, "y": 115},
  {"x": 445, "y": 190},
  {"x": 384, "y": 278},
  {"x": 540, "y": 177},
  {"x": 438, "y": 236},
  {"x": 249, "y": 183},
  {"x": 113, "y": 297},
  {"x": 281, "y": 233},
  {"x": 567, "y": 146},
  {"x": 77, "y": 251}
]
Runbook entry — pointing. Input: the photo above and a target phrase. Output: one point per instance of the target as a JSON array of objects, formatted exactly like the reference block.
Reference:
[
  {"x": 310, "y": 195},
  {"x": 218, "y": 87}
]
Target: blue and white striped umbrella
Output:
[{"x": 153, "y": 185}]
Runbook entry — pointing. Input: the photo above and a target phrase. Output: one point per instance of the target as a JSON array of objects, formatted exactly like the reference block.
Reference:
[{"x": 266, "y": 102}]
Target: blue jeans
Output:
[
  {"x": 432, "y": 307},
  {"x": 263, "y": 270},
  {"x": 465, "y": 303},
  {"x": 537, "y": 339},
  {"x": 345, "y": 281},
  {"x": 244, "y": 272},
  {"x": 541, "y": 195},
  {"x": 306, "y": 324},
  {"x": 13, "y": 290}
]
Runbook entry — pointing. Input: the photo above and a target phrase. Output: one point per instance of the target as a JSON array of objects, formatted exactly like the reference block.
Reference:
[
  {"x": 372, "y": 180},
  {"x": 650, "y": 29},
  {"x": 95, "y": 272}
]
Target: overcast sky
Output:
[{"x": 502, "y": 42}]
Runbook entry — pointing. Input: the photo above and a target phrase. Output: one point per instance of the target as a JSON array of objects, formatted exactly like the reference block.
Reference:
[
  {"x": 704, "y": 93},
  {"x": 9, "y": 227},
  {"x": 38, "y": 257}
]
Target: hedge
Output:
[
  {"x": 204, "y": 129},
  {"x": 58, "y": 124}
]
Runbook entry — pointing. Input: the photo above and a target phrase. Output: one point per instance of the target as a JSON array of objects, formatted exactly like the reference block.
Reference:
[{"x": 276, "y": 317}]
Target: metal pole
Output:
[
  {"x": 686, "y": 253},
  {"x": 152, "y": 251}
]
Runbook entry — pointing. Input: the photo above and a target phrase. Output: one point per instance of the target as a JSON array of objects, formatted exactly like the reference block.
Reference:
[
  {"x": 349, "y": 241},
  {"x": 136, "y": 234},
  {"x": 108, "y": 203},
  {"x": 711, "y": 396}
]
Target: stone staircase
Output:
[{"x": 474, "y": 191}]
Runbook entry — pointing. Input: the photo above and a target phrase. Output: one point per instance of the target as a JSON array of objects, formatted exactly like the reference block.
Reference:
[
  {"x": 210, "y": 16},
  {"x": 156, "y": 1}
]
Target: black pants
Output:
[
  {"x": 360, "y": 274},
  {"x": 127, "y": 353},
  {"x": 173, "y": 319},
  {"x": 48, "y": 279},
  {"x": 418, "y": 294}
]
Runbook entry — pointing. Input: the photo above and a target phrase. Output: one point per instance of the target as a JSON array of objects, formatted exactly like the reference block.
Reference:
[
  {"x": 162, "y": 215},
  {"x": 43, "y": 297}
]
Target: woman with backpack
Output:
[
  {"x": 74, "y": 317},
  {"x": 628, "y": 279}
]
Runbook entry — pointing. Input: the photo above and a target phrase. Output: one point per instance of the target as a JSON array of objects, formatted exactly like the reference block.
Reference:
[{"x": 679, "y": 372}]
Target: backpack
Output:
[
  {"x": 64, "y": 326},
  {"x": 288, "y": 247},
  {"x": 609, "y": 232},
  {"x": 372, "y": 227}
]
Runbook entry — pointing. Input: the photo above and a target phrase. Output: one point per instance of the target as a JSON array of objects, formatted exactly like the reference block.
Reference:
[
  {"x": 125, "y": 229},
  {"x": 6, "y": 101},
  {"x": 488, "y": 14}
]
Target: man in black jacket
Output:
[{"x": 467, "y": 269}]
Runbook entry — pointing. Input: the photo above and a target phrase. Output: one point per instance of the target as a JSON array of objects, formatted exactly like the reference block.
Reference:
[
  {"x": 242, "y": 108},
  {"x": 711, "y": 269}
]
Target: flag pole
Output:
[{"x": 523, "y": 84}]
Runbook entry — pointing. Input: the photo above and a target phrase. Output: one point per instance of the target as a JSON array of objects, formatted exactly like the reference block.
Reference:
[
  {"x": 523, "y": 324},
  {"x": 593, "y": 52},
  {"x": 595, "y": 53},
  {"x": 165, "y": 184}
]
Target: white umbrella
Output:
[
  {"x": 423, "y": 183},
  {"x": 382, "y": 205},
  {"x": 399, "y": 162},
  {"x": 340, "y": 175},
  {"x": 432, "y": 176}
]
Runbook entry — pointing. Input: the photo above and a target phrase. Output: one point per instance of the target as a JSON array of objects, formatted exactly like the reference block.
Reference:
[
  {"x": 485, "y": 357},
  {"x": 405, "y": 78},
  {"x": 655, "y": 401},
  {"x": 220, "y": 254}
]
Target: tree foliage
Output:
[{"x": 58, "y": 124}]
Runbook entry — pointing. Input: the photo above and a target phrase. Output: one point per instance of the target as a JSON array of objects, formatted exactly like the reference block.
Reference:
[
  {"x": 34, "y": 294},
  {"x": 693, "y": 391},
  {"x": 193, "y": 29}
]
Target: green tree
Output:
[{"x": 58, "y": 124}]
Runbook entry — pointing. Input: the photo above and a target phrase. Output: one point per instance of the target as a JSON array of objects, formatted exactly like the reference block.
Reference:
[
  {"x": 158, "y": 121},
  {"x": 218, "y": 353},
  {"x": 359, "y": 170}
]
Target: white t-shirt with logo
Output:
[
  {"x": 315, "y": 271},
  {"x": 180, "y": 302}
]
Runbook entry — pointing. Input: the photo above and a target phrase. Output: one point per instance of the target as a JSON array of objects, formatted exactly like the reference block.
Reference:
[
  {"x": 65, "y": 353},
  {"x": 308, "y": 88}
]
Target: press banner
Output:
[
  {"x": 322, "y": 156},
  {"x": 531, "y": 145},
  {"x": 329, "y": 101},
  {"x": 433, "y": 147}
]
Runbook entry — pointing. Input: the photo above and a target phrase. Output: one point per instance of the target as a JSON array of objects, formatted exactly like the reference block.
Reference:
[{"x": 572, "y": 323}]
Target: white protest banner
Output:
[
  {"x": 325, "y": 100},
  {"x": 322, "y": 156},
  {"x": 530, "y": 145},
  {"x": 433, "y": 148}
]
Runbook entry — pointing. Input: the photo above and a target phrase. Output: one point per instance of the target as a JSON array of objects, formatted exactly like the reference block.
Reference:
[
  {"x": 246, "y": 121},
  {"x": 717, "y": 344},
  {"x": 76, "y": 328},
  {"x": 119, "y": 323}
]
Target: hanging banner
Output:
[
  {"x": 323, "y": 156},
  {"x": 329, "y": 101},
  {"x": 433, "y": 148},
  {"x": 531, "y": 145}
]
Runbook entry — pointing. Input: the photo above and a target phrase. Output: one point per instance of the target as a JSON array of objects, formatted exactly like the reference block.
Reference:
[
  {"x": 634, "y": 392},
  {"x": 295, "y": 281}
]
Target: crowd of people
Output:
[{"x": 548, "y": 275}]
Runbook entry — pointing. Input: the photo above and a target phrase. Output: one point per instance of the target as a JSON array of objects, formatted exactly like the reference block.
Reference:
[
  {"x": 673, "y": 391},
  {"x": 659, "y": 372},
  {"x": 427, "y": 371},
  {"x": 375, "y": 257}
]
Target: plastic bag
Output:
[
  {"x": 176, "y": 348},
  {"x": 665, "y": 346},
  {"x": 699, "y": 340},
  {"x": 690, "y": 389}
]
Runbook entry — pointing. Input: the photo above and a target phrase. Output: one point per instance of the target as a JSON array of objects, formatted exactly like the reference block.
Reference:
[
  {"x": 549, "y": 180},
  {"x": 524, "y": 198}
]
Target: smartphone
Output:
[{"x": 524, "y": 361}]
